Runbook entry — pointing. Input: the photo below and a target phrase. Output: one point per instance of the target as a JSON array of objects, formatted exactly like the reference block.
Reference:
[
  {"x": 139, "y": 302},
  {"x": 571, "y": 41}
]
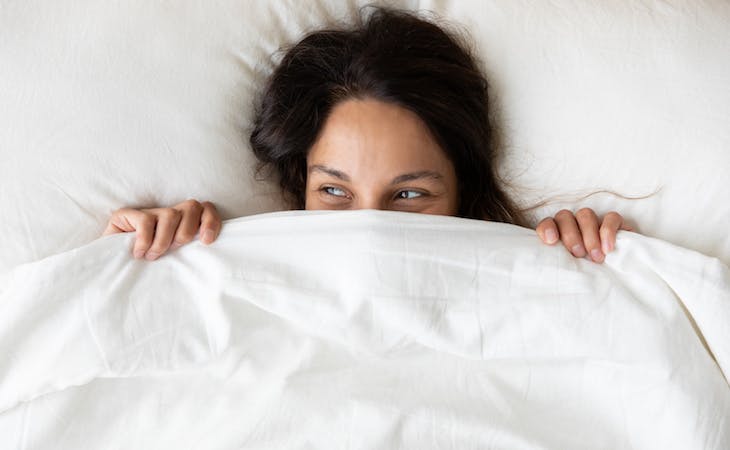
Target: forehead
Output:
[{"x": 363, "y": 134}]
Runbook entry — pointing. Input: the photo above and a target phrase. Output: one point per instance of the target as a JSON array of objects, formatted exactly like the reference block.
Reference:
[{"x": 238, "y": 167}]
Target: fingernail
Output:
[
  {"x": 151, "y": 255},
  {"x": 139, "y": 254},
  {"x": 596, "y": 255},
  {"x": 551, "y": 236},
  {"x": 175, "y": 245},
  {"x": 578, "y": 250},
  {"x": 208, "y": 236}
]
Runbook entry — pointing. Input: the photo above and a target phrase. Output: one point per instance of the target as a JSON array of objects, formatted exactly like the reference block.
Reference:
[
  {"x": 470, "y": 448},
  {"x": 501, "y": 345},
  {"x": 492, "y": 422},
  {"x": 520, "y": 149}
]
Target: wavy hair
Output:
[{"x": 395, "y": 57}]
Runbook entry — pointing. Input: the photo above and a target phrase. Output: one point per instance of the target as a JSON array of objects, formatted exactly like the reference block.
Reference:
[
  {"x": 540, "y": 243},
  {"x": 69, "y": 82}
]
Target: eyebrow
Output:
[
  {"x": 330, "y": 171},
  {"x": 416, "y": 176},
  {"x": 397, "y": 180}
]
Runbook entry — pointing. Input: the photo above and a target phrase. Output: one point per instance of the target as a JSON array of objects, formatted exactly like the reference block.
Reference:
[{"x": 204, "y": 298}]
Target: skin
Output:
[
  {"x": 369, "y": 155},
  {"x": 162, "y": 229},
  {"x": 374, "y": 155}
]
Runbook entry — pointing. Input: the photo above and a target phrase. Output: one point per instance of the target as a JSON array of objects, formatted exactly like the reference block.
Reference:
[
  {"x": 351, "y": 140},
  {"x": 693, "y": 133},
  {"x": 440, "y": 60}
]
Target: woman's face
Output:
[{"x": 376, "y": 155}]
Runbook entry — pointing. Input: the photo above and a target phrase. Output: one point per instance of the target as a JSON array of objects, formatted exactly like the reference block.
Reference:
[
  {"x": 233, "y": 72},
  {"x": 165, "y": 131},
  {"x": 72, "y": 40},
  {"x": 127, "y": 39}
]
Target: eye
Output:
[
  {"x": 408, "y": 195},
  {"x": 334, "y": 191}
]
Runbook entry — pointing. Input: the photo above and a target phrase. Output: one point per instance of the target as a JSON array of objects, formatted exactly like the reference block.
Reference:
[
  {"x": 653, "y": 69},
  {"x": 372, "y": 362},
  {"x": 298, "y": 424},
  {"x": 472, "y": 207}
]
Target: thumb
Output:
[{"x": 125, "y": 220}]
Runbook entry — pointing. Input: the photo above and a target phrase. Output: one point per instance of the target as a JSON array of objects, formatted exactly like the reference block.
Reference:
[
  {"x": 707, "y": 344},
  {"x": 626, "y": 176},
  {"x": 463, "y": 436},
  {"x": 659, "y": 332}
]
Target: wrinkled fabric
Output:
[
  {"x": 366, "y": 330},
  {"x": 146, "y": 103}
]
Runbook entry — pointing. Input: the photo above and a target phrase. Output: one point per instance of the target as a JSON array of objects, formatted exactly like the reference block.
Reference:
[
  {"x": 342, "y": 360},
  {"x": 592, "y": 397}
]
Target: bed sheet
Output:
[
  {"x": 366, "y": 330},
  {"x": 146, "y": 103}
]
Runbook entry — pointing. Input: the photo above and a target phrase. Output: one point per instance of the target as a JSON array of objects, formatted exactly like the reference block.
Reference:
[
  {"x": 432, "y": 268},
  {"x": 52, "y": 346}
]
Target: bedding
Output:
[
  {"x": 146, "y": 103},
  {"x": 366, "y": 329},
  {"x": 363, "y": 329}
]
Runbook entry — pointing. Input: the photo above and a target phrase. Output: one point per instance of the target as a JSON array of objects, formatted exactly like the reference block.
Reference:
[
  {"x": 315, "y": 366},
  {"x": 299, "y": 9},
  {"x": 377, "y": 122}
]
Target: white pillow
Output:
[
  {"x": 147, "y": 103},
  {"x": 137, "y": 103},
  {"x": 629, "y": 96}
]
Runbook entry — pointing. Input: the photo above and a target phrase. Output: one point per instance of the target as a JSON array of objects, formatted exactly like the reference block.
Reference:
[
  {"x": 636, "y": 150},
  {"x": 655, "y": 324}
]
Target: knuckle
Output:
[
  {"x": 147, "y": 220},
  {"x": 210, "y": 207},
  {"x": 563, "y": 213},
  {"x": 209, "y": 218},
  {"x": 122, "y": 212},
  {"x": 184, "y": 236},
  {"x": 584, "y": 213},
  {"x": 571, "y": 237},
  {"x": 169, "y": 213},
  {"x": 191, "y": 204}
]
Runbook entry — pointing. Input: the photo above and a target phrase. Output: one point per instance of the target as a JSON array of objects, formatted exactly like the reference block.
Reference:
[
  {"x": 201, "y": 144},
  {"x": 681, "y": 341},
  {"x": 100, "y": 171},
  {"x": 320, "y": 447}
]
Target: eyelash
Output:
[
  {"x": 328, "y": 190},
  {"x": 398, "y": 194}
]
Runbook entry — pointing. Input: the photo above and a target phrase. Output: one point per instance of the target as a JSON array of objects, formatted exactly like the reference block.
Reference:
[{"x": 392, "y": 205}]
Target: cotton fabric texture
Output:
[{"x": 367, "y": 330}]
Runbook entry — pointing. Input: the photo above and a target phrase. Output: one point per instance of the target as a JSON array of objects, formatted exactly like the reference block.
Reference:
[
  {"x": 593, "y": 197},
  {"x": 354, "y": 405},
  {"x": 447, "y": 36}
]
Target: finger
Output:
[
  {"x": 111, "y": 229},
  {"x": 119, "y": 221},
  {"x": 167, "y": 222},
  {"x": 588, "y": 224},
  {"x": 127, "y": 220},
  {"x": 210, "y": 223},
  {"x": 612, "y": 222},
  {"x": 547, "y": 229},
  {"x": 189, "y": 224},
  {"x": 570, "y": 233},
  {"x": 144, "y": 225}
]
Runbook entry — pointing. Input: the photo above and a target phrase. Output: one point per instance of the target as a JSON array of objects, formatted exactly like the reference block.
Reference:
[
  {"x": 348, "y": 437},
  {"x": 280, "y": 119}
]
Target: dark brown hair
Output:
[{"x": 395, "y": 57}]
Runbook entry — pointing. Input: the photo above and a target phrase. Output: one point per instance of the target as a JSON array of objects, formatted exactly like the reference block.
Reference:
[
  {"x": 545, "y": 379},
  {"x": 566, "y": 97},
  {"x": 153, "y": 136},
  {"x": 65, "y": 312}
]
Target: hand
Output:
[
  {"x": 160, "y": 229},
  {"x": 583, "y": 233}
]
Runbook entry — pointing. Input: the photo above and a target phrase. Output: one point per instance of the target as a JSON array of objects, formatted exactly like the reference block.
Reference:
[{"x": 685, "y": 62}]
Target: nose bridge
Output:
[{"x": 370, "y": 200}]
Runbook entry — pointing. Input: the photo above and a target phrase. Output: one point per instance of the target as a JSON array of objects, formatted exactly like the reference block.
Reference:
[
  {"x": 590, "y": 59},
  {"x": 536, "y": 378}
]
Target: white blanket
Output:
[{"x": 366, "y": 330}]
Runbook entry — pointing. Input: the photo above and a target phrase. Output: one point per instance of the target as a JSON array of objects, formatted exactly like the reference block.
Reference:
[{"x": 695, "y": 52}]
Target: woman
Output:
[{"x": 391, "y": 114}]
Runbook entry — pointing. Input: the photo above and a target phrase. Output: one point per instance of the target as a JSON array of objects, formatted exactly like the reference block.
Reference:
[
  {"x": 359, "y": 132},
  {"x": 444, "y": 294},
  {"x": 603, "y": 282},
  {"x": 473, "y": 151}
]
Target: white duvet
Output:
[{"x": 366, "y": 330}]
